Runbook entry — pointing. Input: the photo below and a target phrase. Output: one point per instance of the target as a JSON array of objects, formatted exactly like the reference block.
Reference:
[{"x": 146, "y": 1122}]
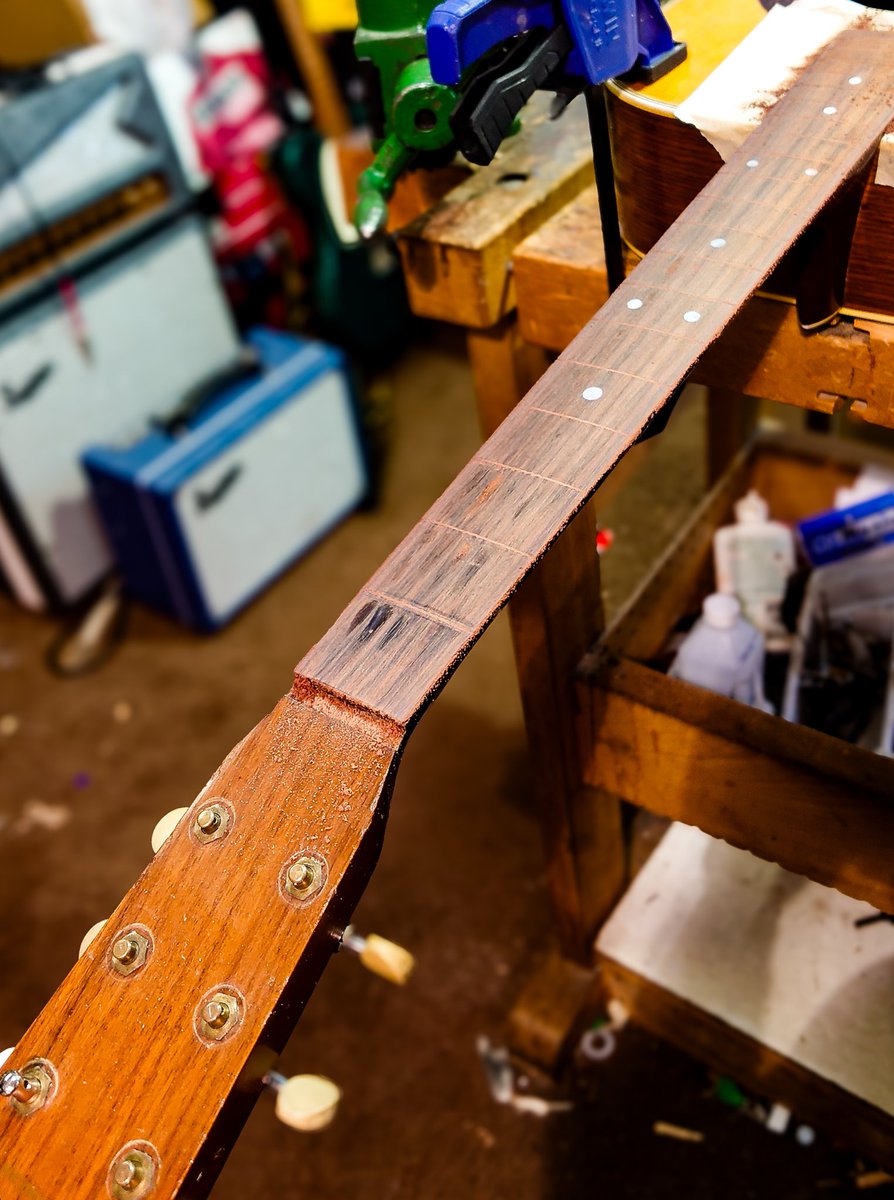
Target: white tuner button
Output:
[
  {"x": 5, "y": 1056},
  {"x": 305, "y": 1102},
  {"x": 384, "y": 958},
  {"x": 166, "y": 827},
  {"x": 90, "y": 937}
]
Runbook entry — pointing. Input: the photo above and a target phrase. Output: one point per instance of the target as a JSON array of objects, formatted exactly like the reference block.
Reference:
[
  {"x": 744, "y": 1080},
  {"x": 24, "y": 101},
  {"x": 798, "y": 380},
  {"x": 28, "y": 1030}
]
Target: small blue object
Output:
[
  {"x": 202, "y": 520},
  {"x": 609, "y": 37},
  {"x": 838, "y": 534},
  {"x": 460, "y": 32}
]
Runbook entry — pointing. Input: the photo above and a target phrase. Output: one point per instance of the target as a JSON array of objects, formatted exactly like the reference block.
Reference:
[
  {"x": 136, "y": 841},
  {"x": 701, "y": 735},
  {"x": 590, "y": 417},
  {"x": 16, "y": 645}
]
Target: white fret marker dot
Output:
[
  {"x": 692, "y": 316},
  {"x": 718, "y": 243},
  {"x": 634, "y": 304},
  {"x": 593, "y": 393},
  {"x": 855, "y": 79},
  {"x": 752, "y": 162},
  {"x": 830, "y": 110},
  {"x": 811, "y": 171}
]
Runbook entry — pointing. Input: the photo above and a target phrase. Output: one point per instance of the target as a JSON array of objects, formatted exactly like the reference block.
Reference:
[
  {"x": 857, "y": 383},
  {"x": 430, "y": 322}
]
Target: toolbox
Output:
[{"x": 209, "y": 507}]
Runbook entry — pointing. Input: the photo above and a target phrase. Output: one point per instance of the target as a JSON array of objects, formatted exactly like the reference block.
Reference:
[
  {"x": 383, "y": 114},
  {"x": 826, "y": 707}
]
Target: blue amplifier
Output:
[{"x": 210, "y": 506}]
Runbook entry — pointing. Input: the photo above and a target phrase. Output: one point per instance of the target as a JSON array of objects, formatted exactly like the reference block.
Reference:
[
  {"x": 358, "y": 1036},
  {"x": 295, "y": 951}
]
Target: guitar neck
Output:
[
  {"x": 248, "y": 897},
  {"x": 411, "y": 625}
]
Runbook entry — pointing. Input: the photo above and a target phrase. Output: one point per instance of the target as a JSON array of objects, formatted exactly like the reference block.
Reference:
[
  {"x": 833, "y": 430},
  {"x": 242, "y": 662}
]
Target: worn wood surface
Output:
[
  {"x": 813, "y": 804},
  {"x": 125, "y": 1053},
  {"x": 313, "y": 778},
  {"x": 552, "y": 1011},
  {"x": 457, "y": 257},
  {"x": 560, "y": 274},
  {"x": 397, "y": 642},
  {"x": 848, "y": 1120}
]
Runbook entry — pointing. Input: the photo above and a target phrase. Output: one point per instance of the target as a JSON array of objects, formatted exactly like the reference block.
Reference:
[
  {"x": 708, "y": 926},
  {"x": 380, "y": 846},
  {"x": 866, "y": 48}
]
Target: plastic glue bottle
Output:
[
  {"x": 753, "y": 560},
  {"x": 724, "y": 653}
]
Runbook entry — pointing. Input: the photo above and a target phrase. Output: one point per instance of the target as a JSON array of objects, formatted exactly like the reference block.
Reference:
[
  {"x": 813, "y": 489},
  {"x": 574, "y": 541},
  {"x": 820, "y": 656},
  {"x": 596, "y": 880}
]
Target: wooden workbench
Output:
[{"x": 513, "y": 256}]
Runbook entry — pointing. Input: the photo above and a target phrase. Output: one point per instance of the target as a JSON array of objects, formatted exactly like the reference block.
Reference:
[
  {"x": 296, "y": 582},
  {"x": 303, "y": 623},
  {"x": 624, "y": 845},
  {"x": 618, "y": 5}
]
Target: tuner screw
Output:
[
  {"x": 29, "y": 1089},
  {"x": 129, "y": 952},
  {"x": 212, "y": 822},
  {"x": 132, "y": 1175},
  {"x": 219, "y": 1016},
  {"x": 305, "y": 877}
]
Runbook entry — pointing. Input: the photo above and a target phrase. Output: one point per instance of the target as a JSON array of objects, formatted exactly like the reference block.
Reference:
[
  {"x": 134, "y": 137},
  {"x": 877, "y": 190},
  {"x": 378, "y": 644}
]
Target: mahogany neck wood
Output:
[
  {"x": 400, "y": 639},
  {"x": 131, "y": 1066}
]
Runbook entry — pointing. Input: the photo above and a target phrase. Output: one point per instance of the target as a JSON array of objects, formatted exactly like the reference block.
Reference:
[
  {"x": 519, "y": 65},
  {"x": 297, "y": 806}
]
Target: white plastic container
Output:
[
  {"x": 724, "y": 653},
  {"x": 753, "y": 561},
  {"x": 859, "y": 591}
]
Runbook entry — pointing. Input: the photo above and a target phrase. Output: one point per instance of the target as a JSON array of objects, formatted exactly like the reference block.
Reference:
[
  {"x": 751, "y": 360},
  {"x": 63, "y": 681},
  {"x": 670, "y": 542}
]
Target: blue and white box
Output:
[
  {"x": 202, "y": 520},
  {"x": 842, "y": 532}
]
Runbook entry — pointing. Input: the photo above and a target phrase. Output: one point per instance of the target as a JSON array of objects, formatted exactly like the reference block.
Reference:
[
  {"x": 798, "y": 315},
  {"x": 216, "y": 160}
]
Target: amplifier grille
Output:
[{"x": 48, "y": 249}]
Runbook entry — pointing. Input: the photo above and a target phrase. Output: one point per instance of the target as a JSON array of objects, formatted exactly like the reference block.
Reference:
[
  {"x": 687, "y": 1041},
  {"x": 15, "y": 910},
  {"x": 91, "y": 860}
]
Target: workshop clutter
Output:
[
  {"x": 149, "y": 252},
  {"x": 804, "y": 612},
  {"x": 109, "y": 308},
  {"x": 258, "y": 238}
]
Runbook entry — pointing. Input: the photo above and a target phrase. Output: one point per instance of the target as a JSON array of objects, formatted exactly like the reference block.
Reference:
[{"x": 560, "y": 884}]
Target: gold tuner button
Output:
[
  {"x": 90, "y": 937},
  {"x": 305, "y": 1102},
  {"x": 166, "y": 827},
  {"x": 383, "y": 958}
]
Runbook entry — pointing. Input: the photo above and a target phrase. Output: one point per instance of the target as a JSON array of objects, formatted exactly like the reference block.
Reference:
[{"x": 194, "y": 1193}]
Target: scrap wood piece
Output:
[{"x": 677, "y": 1132}]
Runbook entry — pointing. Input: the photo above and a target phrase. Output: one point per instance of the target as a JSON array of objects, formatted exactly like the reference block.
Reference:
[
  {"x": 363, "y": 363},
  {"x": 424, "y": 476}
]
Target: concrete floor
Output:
[{"x": 460, "y": 881}]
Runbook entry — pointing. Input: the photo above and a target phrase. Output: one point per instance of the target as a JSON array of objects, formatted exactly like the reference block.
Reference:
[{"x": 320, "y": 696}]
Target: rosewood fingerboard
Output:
[{"x": 399, "y": 640}]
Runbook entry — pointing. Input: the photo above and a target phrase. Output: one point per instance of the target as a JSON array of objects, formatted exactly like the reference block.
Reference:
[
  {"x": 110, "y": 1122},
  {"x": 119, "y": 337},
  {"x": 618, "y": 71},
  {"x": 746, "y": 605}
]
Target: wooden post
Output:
[
  {"x": 731, "y": 418},
  {"x": 330, "y": 113},
  {"x": 554, "y": 617}
]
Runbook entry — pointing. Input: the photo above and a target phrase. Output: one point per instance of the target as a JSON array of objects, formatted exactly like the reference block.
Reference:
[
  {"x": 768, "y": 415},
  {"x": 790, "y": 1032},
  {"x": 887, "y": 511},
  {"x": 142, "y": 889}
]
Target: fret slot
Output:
[
  {"x": 449, "y": 575},
  {"x": 554, "y": 447},
  {"x": 513, "y": 508}
]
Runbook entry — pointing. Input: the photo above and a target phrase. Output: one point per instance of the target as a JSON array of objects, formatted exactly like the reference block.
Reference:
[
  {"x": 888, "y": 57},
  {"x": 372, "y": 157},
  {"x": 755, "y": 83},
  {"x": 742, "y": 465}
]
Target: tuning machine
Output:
[
  {"x": 166, "y": 827},
  {"x": 383, "y": 958},
  {"x": 304, "y": 1102}
]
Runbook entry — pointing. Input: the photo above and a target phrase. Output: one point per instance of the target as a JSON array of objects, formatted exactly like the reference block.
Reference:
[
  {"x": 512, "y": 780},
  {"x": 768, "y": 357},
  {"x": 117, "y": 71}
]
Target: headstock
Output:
[{"x": 138, "y": 1074}]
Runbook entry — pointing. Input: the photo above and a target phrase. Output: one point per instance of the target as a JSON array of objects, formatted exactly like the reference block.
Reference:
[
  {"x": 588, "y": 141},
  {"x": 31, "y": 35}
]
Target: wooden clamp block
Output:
[
  {"x": 457, "y": 258},
  {"x": 560, "y": 277}
]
